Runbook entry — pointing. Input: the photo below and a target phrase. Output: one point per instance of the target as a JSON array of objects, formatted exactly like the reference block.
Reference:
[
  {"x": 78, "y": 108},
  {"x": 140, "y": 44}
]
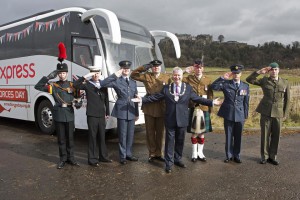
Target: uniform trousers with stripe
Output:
[
  {"x": 97, "y": 150},
  {"x": 65, "y": 139}
]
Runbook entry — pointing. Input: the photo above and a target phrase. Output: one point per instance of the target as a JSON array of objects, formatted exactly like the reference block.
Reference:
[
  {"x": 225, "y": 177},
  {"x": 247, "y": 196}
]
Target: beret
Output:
[
  {"x": 198, "y": 62},
  {"x": 274, "y": 65}
]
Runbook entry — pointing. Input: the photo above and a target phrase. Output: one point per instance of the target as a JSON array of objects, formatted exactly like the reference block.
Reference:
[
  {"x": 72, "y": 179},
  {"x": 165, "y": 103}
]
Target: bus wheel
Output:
[{"x": 45, "y": 118}]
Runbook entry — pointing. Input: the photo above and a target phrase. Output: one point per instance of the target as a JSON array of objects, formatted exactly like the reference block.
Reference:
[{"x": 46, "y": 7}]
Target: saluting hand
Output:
[
  {"x": 227, "y": 75},
  {"x": 52, "y": 75},
  {"x": 147, "y": 66},
  {"x": 89, "y": 75},
  {"x": 264, "y": 70},
  {"x": 119, "y": 72},
  {"x": 189, "y": 69}
]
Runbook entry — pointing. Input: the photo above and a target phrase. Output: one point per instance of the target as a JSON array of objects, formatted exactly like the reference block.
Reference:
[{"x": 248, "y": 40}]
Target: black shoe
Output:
[
  {"x": 227, "y": 160},
  {"x": 94, "y": 164},
  {"x": 274, "y": 162},
  {"x": 202, "y": 159},
  {"x": 61, "y": 164},
  {"x": 180, "y": 164},
  {"x": 159, "y": 158},
  {"x": 73, "y": 162},
  {"x": 106, "y": 160},
  {"x": 263, "y": 161},
  {"x": 194, "y": 159},
  {"x": 123, "y": 162},
  {"x": 132, "y": 158},
  {"x": 151, "y": 159},
  {"x": 168, "y": 171},
  {"x": 237, "y": 160}
]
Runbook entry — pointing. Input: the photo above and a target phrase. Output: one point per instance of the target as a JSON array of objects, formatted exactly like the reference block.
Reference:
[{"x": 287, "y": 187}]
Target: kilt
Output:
[{"x": 199, "y": 121}]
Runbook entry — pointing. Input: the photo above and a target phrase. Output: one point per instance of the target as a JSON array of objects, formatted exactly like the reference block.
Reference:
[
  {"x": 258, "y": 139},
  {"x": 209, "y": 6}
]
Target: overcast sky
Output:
[{"x": 251, "y": 21}]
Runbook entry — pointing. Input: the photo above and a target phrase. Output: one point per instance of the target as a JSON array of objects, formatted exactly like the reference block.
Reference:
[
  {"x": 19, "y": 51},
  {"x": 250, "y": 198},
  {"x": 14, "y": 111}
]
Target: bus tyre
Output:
[{"x": 44, "y": 117}]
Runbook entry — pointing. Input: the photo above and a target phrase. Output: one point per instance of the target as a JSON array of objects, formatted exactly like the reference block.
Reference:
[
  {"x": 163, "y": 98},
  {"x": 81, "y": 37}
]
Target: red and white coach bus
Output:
[{"x": 28, "y": 51}]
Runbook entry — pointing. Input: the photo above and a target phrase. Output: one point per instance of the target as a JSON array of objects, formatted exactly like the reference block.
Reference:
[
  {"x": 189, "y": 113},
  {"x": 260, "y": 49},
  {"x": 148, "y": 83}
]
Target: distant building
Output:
[
  {"x": 240, "y": 44},
  {"x": 231, "y": 42},
  {"x": 185, "y": 37},
  {"x": 205, "y": 37}
]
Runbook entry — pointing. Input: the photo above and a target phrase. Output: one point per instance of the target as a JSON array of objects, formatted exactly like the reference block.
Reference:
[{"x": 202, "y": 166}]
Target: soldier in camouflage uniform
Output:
[
  {"x": 154, "y": 112},
  {"x": 199, "y": 117},
  {"x": 273, "y": 107}
]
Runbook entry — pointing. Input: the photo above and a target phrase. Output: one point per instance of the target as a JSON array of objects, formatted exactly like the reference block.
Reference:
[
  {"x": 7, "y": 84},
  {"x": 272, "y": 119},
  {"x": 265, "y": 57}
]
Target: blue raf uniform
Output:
[
  {"x": 124, "y": 110},
  {"x": 234, "y": 110}
]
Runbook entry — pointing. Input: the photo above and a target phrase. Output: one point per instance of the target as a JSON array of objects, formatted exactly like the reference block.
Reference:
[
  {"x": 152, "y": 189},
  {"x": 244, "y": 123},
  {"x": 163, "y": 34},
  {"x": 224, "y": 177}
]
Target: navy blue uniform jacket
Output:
[
  {"x": 236, "y": 100},
  {"x": 177, "y": 113},
  {"x": 97, "y": 100}
]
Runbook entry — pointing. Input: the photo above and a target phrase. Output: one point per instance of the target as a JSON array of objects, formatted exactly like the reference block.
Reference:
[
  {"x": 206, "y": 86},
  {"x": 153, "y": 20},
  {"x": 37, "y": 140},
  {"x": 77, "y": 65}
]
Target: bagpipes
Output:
[{"x": 78, "y": 95}]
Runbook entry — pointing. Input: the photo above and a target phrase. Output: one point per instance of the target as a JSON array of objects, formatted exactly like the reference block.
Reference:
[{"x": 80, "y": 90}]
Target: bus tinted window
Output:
[
  {"x": 20, "y": 38},
  {"x": 84, "y": 50}
]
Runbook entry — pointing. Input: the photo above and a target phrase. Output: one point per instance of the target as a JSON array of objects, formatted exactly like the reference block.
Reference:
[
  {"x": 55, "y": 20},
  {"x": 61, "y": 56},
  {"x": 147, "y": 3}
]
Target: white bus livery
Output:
[{"x": 28, "y": 51}]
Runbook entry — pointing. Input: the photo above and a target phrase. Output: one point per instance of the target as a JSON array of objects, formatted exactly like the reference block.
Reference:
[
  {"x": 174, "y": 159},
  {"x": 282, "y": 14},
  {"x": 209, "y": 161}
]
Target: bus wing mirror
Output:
[
  {"x": 173, "y": 37},
  {"x": 111, "y": 19}
]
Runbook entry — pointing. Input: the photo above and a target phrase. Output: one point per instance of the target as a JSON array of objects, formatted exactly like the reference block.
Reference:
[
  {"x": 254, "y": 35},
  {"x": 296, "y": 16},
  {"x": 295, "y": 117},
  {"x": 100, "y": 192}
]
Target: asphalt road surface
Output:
[{"x": 28, "y": 170}]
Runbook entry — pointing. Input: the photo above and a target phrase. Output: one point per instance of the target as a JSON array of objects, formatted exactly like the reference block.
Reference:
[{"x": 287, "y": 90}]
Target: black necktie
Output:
[
  {"x": 237, "y": 85},
  {"x": 127, "y": 81}
]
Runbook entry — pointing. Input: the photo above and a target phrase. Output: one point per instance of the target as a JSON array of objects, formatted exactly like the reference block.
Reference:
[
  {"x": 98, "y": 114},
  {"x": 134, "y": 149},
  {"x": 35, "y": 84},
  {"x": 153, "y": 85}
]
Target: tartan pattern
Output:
[{"x": 208, "y": 126}]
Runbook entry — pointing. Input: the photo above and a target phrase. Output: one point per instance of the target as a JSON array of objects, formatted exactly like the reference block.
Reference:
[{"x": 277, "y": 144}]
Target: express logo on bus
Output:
[{"x": 17, "y": 71}]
